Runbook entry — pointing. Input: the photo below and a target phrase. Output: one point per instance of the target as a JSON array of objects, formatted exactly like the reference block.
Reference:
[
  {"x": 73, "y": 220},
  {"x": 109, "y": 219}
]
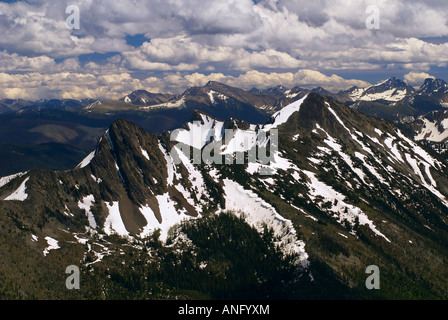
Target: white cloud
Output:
[
  {"x": 15, "y": 63},
  {"x": 416, "y": 78},
  {"x": 35, "y": 86},
  {"x": 73, "y": 85},
  {"x": 34, "y": 29},
  {"x": 241, "y": 42},
  {"x": 269, "y": 59},
  {"x": 183, "y": 53},
  {"x": 250, "y": 79},
  {"x": 305, "y": 78}
]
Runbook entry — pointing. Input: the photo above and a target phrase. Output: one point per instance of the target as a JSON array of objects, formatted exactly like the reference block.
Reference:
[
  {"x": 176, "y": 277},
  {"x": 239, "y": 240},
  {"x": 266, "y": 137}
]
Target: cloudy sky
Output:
[{"x": 170, "y": 45}]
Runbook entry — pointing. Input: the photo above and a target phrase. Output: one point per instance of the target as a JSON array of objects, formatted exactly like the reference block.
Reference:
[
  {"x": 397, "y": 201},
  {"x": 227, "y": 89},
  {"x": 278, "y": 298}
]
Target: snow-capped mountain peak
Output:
[
  {"x": 390, "y": 90},
  {"x": 433, "y": 86}
]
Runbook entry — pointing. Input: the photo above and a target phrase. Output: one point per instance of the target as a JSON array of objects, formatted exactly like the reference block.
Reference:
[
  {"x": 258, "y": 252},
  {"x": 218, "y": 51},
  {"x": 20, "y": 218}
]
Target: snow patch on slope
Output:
[
  {"x": 283, "y": 115},
  {"x": 169, "y": 164},
  {"x": 431, "y": 131},
  {"x": 20, "y": 194},
  {"x": 86, "y": 160},
  {"x": 392, "y": 95},
  {"x": 53, "y": 244},
  {"x": 215, "y": 95},
  {"x": 341, "y": 210},
  {"x": 170, "y": 217},
  {"x": 86, "y": 203},
  {"x": 144, "y": 153},
  {"x": 199, "y": 133},
  {"x": 5, "y": 180},
  {"x": 196, "y": 180},
  {"x": 114, "y": 223},
  {"x": 167, "y": 105},
  {"x": 257, "y": 212}
]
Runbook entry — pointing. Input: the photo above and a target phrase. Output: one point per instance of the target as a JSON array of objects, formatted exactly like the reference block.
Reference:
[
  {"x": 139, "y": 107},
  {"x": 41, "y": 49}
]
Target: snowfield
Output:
[
  {"x": 85, "y": 162},
  {"x": 170, "y": 217},
  {"x": 5, "y": 180},
  {"x": 257, "y": 213},
  {"x": 86, "y": 203},
  {"x": 114, "y": 223},
  {"x": 20, "y": 194},
  {"x": 283, "y": 115},
  {"x": 342, "y": 211},
  {"x": 432, "y": 131},
  {"x": 53, "y": 244}
]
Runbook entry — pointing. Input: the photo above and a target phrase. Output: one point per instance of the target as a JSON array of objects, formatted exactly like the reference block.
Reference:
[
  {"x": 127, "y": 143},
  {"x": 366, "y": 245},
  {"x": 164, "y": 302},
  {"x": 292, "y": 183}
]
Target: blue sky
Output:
[{"x": 168, "y": 46}]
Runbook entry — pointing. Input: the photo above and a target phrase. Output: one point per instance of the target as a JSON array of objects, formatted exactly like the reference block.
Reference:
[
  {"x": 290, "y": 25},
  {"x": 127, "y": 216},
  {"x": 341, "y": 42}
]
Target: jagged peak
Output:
[
  {"x": 122, "y": 131},
  {"x": 392, "y": 82},
  {"x": 121, "y": 123},
  {"x": 433, "y": 84},
  {"x": 198, "y": 115},
  {"x": 213, "y": 83}
]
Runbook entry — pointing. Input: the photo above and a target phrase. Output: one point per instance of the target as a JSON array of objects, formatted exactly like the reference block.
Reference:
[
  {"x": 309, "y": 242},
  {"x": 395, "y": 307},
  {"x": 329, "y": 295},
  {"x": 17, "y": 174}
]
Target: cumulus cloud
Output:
[
  {"x": 416, "y": 78},
  {"x": 34, "y": 86},
  {"x": 77, "y": 85},
  {"x": 242, "y": 42},
  {"x": 33, "y": 29},
  {"x": 73, "y": 85},
  {"x": 16, "y": 63},
  {"x": 305, "y": 78},
  {"x": 183, "y": 53}
]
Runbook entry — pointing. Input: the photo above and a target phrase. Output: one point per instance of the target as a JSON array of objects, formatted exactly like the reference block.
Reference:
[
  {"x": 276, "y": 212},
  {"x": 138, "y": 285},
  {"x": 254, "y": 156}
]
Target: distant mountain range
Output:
[
  {"x": 79, "y": 123},
  {"x": 393, "y": 92},
  {"x": 392, "y": 99},
  {"x": 342, "y": 191},
  {"x": 143, "y": 97}
]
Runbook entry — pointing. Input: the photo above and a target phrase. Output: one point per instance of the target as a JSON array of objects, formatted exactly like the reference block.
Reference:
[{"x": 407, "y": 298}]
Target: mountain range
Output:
[
  {"x": 149, "y": 216},
  {"x": 392, "y": 93},
  {"x": 391, "y": 99},
  {"x": 431, "y": 95},
  {"x": 46, "y": 126}
]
